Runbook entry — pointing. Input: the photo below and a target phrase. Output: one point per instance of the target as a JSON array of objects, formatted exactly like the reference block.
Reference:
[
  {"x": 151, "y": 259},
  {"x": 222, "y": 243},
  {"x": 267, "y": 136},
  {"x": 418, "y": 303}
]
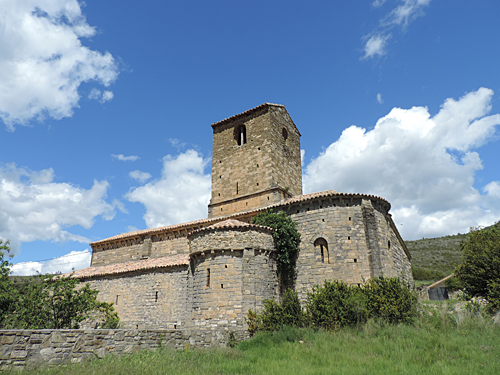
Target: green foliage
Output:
[
  {"x": 8, "y": 294},
  {"x": 426, "y": 274},
  {"x": 390, "y": 299},
  {"x": 57, "y": 303},
  {"x": 336, "y": 304},
  {"x": 479, "y": 272},
  {"x": 286, "y": 239},
  {"x": 287, "y": 313},
  {"x": 453, "y": 284}
]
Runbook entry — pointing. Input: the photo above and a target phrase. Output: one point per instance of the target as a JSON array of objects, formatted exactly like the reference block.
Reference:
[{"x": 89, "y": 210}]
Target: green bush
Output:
[
  {"x": 390, "y": 299},
  {"x": 336, "y": 304},
  {"x": 453, "y": 284},
  {"x": 275, "y": 315},
  {"x": 479, "y": 273}
]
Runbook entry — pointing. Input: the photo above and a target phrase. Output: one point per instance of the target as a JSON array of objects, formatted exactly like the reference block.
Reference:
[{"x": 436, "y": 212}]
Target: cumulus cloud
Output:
[
  {"x": 424, "y": 165},
  {"x": 375, "y": 43},
  {"x": 181, "y": 194},
  {"x": 43, "y": 62},
  {"x": 379, "y": 98},
  {"x": 139, "y": 176},
  {"x": 33, "y": 207},
  {"x": 74, "y": 261},
  {"x": 122, "y": 157}
]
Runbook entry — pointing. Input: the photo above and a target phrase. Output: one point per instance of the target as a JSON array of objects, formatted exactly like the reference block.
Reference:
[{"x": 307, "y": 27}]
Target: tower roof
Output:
[{"x": 251, "y": 111}]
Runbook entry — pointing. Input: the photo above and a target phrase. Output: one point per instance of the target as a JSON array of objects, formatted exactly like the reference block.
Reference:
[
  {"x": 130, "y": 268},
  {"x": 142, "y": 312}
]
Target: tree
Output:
[
  {"x": 57, "y": 303},
  {"x": 479, "y": 272},
  {"x": 8, "y": 294},
  {"x": 286, "y": 239}
]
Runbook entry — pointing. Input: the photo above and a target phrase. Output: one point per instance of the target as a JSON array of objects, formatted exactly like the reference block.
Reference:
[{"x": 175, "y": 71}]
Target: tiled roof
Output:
[
  {"x": 246, "y": 113},
  {"x": 135, "y": 265},
  {"x": 296, "y": 199},
  {"x": 230, "y": 224}
]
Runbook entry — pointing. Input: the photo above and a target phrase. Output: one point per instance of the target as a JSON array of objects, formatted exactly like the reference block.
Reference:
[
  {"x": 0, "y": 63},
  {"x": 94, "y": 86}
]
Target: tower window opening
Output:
[
  {"x": 285, "y": 134},
  {"x": 322, "y": 245},
  {"x": 236, "y": 188},
  {"x": 156, "y": 296},
  {"x": 240, "y": 135},
  {"x": 222, "y": 286},
  {"x": 208, "y": 277}
]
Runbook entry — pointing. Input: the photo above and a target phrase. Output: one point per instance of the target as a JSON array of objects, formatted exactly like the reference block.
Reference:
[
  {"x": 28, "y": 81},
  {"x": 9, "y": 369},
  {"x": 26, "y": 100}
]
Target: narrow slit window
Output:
[
  {"x": 208, "y": 277},
  {"x": 156, "y": 296},
  {"x": 116, "y": 303},
  {"x": 240, "y": 135},
  {"x": 322, "y": 247},
  {"x": 237, "y": 189}
]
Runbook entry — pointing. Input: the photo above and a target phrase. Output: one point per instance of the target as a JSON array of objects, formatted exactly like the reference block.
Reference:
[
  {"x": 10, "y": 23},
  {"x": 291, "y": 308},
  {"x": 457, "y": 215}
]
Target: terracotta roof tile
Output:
[
  {"x": 247, "y": 112},
  {"x": 230, "y": 224},
  {"x": 135, "y": 265},
  {"x": 296, "y": 199}
]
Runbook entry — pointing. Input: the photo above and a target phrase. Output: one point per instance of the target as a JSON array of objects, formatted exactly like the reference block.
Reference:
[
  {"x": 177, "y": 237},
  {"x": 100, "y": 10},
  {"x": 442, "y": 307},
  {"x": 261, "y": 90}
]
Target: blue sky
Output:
[{"x": 105, "y": 110}]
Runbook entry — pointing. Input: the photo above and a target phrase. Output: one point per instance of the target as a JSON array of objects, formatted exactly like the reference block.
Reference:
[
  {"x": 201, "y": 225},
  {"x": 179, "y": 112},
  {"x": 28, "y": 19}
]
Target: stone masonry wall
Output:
[
  {"x": 148, "y": 299},
  {"x": 32, "y": 348},
  {"x": 264, "y": 162},
  {"x": 340, "y": 223},
  {"x": 233, "y": 271}
]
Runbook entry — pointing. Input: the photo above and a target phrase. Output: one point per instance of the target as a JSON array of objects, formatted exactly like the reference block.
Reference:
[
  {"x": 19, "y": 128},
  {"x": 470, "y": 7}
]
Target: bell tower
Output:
[{"x": 255, "y": 160}]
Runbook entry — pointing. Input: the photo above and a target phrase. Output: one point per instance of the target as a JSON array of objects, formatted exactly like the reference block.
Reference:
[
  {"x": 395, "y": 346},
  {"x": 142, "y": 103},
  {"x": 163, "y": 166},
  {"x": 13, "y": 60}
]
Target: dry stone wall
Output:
[{"x": 34, "y": 348}]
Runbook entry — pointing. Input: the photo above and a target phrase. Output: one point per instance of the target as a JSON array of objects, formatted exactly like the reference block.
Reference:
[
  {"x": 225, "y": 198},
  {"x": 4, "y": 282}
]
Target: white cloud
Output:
[
  {"x": 379, "y": 98},
  {"x": 378, "y": 3},
  {"x": 122, "y": 157},
  {"x": 74, "y": 261},
  {"x": 103, "y": 97},
  {"x": 423, "y": 165},
  {"x": 43, "y": 62},
  {"x": 33, "y": 207},
  {"x": 181, "y": 194},
  {"x": 402, "y": 15},
  {"x": 139, "y": 176},
  {"x": 376, "y": 46}
]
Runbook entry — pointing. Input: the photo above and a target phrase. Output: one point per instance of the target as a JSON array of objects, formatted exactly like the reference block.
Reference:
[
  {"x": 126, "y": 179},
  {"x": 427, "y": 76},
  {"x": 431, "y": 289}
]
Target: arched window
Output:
[
  {"x": 285, "y": 134},
  {"x": 240, "y": 134},
  {"x": 322, "y": 247}
]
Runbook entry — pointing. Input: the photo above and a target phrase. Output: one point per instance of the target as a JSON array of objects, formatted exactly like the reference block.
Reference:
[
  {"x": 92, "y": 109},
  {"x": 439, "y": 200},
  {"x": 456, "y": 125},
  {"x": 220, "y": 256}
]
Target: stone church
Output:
[{"x": 206, "y": 274}]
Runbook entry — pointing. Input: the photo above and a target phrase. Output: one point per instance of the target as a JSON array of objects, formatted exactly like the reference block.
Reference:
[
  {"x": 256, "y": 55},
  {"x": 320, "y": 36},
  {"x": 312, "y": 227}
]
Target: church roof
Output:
[
  {"x": 250, "y": 111},
  {"x": 196, "y": 224},
  {"x": 134, "y": 265},
  {"x": 231, "y": 224}
]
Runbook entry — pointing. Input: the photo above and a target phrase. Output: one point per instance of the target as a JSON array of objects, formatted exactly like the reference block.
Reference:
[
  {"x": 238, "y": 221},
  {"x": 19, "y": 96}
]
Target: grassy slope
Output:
[
  {"x": 440, "y": 254},
  {"x": 434, "y": 345}
]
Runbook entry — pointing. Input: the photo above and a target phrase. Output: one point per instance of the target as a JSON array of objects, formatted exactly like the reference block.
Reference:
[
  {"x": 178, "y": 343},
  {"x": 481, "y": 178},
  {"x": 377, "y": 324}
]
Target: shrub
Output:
[
  {"x": 336, "y": 304},
  {"x": 390, "y": 299},
  {"x": 479, "y": 273},
  {"x": 277, "y": 315}
]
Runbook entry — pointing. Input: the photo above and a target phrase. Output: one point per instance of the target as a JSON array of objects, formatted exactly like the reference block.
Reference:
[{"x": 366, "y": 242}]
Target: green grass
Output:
[{"x": 435, "y": 344}]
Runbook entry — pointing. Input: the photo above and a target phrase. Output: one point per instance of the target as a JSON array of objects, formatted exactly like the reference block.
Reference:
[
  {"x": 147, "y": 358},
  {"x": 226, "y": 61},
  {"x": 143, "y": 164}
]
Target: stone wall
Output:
[
  {"x": 232, "y": 272},
  {"x": 30, "y": 348},
  {"x": 267, "y": 160},
  {"x": 157, "y": 298}
]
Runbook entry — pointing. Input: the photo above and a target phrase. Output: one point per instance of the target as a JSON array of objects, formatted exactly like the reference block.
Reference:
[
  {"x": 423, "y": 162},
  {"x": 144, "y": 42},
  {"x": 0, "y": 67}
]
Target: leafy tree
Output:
[
  {"x": 286, "y": 239},
  {"x": 57, "y": 303},
  {"x": 8, "y": 294},
  {"x": 479, "y": 272}
]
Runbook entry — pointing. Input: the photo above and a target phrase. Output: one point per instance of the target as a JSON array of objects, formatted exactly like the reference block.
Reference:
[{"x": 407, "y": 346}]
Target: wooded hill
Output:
[{"x": 435, "y": 258}]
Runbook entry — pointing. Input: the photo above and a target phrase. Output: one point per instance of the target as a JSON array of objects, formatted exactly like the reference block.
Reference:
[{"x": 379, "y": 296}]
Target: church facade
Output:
[{"x": 207, "y": 273}]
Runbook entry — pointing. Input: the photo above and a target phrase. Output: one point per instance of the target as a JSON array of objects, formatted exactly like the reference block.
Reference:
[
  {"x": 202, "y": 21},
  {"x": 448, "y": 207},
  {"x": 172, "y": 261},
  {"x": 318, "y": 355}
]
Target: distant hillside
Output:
[{"x": 435, "y": 258}]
